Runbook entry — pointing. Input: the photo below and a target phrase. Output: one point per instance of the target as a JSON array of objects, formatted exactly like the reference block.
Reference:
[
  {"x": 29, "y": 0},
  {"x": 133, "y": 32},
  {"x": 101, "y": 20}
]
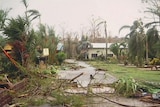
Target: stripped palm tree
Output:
[
  {"x": 154, "y": 10},
  {"x": 31, "y": 14}
]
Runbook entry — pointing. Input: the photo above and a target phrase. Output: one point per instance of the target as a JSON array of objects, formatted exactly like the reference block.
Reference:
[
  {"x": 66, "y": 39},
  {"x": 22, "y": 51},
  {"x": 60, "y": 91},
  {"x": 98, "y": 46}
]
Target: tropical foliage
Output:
[
  {"x": 61, "y": 56},
  {"x": 83, "y": 47},
  {"x": 126, "y": 86},
  {"x": 152, "y": 40},
  {"x": 20, "y": 35},
  {"x": 3, "y": 18},
  {"x": 46, "y": 38},
  {"x": 141, "y": 45},
  {"x": 136, "y": 42},
  {"x": 120, "y": 50}
]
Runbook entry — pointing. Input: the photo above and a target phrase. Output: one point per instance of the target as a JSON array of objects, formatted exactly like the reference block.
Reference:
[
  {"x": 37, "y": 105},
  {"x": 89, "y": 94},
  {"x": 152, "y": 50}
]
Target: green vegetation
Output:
[
  {"x": 123, "y": 71},
  {"x": 82, "y": 48},
  {"x": 26, "y": 41},
  {"x": 126, "y": 86},
  {"x": 72, "y": 100},
  {"x": 131, "y": 80},
  {"x": 61, "y": 56}
]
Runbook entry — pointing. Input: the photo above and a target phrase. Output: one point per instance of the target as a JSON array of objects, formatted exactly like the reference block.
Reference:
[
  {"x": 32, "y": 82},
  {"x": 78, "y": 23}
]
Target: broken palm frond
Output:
[{"x": 19, "y": 66}]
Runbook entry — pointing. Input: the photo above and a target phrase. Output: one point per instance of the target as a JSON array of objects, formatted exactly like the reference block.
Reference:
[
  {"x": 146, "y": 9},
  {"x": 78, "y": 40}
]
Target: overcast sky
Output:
[{"x": 76, "y": 15}]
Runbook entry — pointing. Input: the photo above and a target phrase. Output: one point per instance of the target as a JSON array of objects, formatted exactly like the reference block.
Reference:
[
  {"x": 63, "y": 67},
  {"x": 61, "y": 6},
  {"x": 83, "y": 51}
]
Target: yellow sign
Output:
[{"x": 45, "y": 51}]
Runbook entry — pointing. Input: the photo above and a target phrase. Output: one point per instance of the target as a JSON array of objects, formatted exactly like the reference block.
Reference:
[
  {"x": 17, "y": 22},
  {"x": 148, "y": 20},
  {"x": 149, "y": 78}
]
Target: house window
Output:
[
  {"x": 110, "y": 55},
  {"x": 94, "y": 55}
]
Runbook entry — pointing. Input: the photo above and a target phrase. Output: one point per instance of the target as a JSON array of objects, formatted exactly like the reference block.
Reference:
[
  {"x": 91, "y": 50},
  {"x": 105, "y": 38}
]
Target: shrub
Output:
[
  {"x": 155, "y": 61},
  {"x": 61, "y": 56}
]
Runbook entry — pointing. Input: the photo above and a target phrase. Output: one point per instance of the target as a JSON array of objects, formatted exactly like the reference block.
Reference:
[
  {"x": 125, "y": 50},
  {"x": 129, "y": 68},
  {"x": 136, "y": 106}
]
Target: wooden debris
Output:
[
  {"x": 76, "y": 77},
  {"x": 149, "y": 99},
  {"x": 7, "y": 84},
  {"x": 23, "y": 95}
]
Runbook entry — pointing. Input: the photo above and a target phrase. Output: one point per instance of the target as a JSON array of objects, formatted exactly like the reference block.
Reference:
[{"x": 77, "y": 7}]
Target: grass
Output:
[{"x": 121, "y": 71}]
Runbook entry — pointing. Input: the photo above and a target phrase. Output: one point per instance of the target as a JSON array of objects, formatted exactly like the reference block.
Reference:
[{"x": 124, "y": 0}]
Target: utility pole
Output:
[{"x": 105, "y": 26}]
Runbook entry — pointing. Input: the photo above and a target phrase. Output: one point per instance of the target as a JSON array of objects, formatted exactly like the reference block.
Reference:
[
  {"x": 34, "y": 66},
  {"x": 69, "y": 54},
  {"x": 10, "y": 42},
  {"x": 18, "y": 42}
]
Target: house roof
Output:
[{"x": 100, "y": 45}]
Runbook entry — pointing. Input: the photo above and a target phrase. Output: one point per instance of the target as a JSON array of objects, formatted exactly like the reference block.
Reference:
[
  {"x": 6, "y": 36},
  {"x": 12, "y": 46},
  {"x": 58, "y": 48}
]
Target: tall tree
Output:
[
  {"x": 46, "y": 38},
  {"x": 152, "y": 39},
  {"x": 152, "y": 35},
  {"x": 3, "y": 18},
  {"x": 21, "y": 34},
  {"x": 136, "y": 42},
  {"x": 153, "y": 8},
  {"x": 119, "y": 49},
  {"x": 83, "y": 47},
  {"x": 115, "y": 49}
]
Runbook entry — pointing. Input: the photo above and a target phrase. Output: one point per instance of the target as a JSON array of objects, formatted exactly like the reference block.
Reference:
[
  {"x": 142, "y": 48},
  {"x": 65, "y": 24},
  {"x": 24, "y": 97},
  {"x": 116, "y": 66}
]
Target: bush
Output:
[
  {"x": 155, "y": 61},
  {"x": 61, "y": 56}
]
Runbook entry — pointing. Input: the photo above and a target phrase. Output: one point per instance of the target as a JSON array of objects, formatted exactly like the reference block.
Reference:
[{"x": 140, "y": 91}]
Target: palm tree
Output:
[
  {"x": 136, "y": 42},
  {"x": 21, "y": 34},
  {"x": 115, "y": 49},
  {"x": 31, "y": 14},
  {"x": 83, "y": 47},
  {"x": 3, "y": 18},
  {"x": 119, "y": 49},
  {"x": 152, "y": 39},
  {"x": 15, "y": 31}
]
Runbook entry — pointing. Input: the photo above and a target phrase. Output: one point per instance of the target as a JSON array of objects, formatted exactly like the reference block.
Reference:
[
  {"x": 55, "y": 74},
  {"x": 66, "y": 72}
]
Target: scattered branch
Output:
[{"x": 76, "y": 77}]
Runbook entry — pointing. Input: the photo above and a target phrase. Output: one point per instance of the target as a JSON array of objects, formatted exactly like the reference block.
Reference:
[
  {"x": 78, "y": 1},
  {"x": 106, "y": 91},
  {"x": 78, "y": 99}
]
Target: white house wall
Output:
[{"x": 98, "y": 51}]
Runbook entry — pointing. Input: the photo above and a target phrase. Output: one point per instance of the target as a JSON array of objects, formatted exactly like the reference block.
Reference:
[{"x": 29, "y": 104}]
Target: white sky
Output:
[{"x": 75, "y": 15}]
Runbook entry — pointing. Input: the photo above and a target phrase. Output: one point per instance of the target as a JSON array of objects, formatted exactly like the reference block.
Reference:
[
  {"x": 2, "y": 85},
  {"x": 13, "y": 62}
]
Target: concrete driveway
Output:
[{"x": 84, "y": 80}]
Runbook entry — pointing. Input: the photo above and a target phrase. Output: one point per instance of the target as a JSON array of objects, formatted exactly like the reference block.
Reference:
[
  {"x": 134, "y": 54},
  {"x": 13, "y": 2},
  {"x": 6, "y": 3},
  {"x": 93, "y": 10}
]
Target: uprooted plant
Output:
[
  {"x": 129, "y": 87},
  {"x": 126, "y": 86}
]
